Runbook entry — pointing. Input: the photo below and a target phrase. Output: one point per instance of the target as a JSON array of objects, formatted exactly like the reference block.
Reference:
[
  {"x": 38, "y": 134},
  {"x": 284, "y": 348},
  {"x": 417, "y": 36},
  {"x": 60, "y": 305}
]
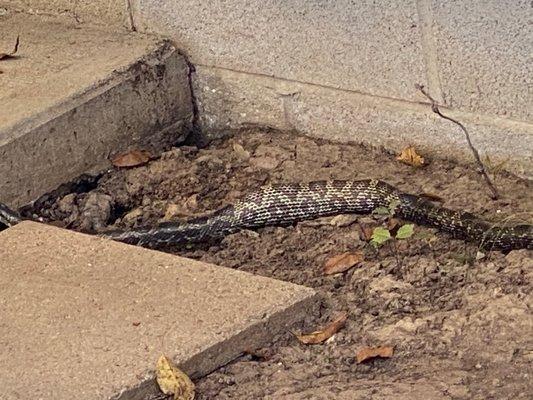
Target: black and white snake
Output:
[{"x": 286, "y": 204}]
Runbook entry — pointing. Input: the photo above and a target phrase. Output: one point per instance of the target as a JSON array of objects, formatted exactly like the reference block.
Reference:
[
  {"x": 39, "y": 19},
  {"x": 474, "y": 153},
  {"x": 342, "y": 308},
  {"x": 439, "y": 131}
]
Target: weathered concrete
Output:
[
  {"x": 368, "y": 46},
  {"x": 67, "y": 104},
  {"x": 231, "y": 100},
  {"x": 84, "y": 317},
  {"x": 484, "y": 56},
  {"x": 111, "y": 13}
]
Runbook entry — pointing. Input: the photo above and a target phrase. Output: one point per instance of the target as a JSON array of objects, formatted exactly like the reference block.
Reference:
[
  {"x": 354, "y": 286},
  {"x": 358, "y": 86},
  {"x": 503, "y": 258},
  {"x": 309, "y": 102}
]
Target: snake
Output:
[{"x": 289, "y": 203}]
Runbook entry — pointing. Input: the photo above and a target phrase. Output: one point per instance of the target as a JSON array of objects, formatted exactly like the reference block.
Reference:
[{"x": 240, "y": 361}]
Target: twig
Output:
[{"x": 435, "y": 109}]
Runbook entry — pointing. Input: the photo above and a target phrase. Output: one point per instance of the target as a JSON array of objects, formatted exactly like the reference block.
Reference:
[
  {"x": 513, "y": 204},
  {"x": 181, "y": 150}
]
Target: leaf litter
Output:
[{"x": 320, "y": 336}]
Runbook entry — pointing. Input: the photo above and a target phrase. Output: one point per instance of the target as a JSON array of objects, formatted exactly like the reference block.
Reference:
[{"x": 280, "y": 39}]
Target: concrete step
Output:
[
  {"x": 75, "y": 95},
  {"x": 85, "y": 317}
]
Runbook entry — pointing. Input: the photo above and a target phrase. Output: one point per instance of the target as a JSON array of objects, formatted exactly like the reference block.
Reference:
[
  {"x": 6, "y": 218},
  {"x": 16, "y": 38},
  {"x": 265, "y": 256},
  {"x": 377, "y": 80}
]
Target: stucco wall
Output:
[{"x": 346, "y": 70}]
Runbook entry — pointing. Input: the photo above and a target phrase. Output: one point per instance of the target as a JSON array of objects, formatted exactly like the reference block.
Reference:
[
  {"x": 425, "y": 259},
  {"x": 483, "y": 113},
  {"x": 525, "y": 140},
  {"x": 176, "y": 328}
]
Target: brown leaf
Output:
[
  {"x": 369, "y": 353},
  {"x": 409, "y": 156},
  {"x": 132, "y": 158},
  {"x": 5, "y": 56},
  {"x": 342, "y": 262},
  {"x": 321, "y": 336},
  {"x": 392, "y": 224},
  {"x": 366, "y": 232}
]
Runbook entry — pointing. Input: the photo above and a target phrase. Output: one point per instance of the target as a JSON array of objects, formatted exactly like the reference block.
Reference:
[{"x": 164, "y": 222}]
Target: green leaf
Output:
[
  {"x": 380, "y": 236},
  {"x": 393, "y": 205},
  {"x": 381, "y": 211},
  {"x": 405, "y": 231}
]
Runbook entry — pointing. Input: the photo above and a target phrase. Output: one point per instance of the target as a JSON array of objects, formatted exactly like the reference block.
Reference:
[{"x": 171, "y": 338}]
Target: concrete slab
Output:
[
  {"x": 84, "y": 317},
  {"x": 232, "y": 100},
  {"x": 75, "y": 95}
]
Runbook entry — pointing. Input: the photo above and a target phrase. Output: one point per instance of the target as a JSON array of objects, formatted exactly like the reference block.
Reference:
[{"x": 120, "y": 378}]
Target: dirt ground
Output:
[{"x": 461, "y": 327}]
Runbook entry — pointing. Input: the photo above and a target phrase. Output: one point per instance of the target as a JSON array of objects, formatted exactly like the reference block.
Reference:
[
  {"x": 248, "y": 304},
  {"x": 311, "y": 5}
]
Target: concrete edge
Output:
[
  {"x": 256, "y": 335},
  {"x": 160, "y": 52},
  {"x": 146, "y": 103}
]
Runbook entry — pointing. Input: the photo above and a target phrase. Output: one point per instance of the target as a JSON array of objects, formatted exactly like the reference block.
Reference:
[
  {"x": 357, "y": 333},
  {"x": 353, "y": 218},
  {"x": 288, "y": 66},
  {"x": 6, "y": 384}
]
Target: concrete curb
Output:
[{"x": 143, "y": 102}]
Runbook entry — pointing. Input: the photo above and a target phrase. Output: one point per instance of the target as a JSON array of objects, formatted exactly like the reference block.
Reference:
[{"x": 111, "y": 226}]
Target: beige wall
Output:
[{"x": 346, "y": 70}]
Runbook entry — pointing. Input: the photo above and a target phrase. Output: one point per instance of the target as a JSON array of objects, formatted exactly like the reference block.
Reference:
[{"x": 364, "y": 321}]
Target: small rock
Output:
[
  {"x": 67, "y": 204},
  {"x": 96, "y": 211}
]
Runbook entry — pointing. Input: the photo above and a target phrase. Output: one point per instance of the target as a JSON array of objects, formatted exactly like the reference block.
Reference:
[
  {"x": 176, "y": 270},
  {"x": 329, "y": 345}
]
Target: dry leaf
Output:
[
  {"x": 409, "y": 156},
  {"x": 368, "y": 353},
  {"x": 342, "y": 262},
  {"x": 5, "y": 56},
  {"x": 392, "y": 224},
  {"x": 366, "y": 232},
  {"x": 172, "y": 380},
  {"x": 324, "y": 334},
  {"x": 132, "y": 158}
]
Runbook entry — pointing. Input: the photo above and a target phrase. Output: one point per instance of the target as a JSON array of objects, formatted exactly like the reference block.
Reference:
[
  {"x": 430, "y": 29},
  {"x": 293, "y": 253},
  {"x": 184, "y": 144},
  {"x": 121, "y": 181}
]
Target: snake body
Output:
[{"x": 286, "y": 204}]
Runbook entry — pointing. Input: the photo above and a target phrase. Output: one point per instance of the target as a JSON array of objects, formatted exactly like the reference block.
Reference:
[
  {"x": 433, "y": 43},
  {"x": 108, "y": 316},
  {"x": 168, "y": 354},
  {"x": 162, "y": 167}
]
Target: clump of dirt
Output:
[{"x": 459, "y": 321}]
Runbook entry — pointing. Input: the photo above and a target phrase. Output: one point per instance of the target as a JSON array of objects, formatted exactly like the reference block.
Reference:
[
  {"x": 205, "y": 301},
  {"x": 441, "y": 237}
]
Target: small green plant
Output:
[{"x": 382, "y": 235}]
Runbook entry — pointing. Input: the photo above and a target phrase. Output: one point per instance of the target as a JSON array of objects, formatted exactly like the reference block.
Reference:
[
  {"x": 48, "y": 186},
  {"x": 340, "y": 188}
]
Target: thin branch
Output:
[{"x": 482, "y": 169}]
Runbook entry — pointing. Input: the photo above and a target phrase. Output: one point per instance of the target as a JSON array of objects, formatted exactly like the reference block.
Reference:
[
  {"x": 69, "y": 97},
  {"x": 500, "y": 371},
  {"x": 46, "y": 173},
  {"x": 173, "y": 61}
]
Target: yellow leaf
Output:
[
  {"x": 321, "y": 336},
  {"x": 409, "y": 156},
  {"x": 172, "y": 380}
]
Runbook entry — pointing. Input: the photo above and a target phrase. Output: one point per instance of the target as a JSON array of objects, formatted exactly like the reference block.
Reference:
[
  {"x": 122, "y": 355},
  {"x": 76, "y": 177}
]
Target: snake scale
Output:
[{"x": 286, "y": 204}]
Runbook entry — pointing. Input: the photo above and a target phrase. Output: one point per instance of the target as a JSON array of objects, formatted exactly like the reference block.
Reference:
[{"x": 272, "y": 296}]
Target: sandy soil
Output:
[{"x": 461, "y": 327}]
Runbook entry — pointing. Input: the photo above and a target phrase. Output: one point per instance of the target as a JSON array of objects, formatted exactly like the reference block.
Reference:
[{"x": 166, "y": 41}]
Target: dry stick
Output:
[{"x": 435, "y": 109}]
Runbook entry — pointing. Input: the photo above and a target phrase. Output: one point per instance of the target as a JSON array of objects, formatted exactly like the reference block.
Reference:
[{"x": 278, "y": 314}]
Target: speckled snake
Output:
[{"x": 286, "y": 204}]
